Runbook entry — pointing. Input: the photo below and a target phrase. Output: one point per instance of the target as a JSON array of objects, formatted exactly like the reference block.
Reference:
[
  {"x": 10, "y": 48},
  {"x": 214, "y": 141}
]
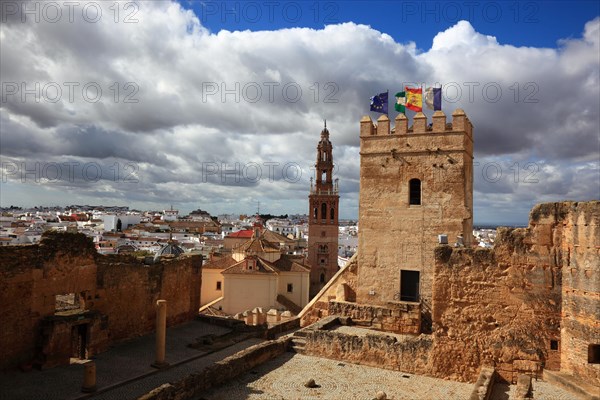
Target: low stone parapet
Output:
[
  {"x": 194, "y": 385},
  {"x": 377, "y": 350}
]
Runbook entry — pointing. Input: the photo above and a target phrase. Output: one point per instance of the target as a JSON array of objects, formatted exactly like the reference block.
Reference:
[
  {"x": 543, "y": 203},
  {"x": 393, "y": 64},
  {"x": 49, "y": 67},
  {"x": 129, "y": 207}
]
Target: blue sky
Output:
[
  {"x": 219, "y": 105},
  {"x": 520, "y": 23}
]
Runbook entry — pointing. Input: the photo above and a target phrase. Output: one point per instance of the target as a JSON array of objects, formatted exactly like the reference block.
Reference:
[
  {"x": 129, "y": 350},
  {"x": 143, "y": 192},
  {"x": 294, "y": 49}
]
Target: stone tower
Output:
[
  {"x": 415, "y": 184},
  {"x": 323, "y": 220}
]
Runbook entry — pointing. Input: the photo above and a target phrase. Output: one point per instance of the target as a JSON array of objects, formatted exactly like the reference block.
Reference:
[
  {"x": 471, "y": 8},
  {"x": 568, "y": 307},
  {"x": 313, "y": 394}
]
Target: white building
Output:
[
  {"x": 111, "y": 221},
  {"x": 256, "y": 275}
]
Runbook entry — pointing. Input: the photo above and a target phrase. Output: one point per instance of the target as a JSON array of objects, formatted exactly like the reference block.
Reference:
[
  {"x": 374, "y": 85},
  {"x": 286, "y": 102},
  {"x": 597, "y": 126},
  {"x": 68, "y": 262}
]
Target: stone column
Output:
[
  {"x": 89, "y": 377},
  {"x": 161, "y": 334}
]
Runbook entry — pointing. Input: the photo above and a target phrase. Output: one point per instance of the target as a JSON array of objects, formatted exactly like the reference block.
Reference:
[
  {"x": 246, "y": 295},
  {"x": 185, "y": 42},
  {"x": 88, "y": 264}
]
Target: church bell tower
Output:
[{"x": 323, "y": 218}]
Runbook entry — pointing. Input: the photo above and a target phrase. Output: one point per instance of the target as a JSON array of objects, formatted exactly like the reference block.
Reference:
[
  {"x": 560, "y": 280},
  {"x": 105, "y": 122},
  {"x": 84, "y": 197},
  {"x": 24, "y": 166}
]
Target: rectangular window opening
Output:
[
  {"x": 594, "y": 354},
  {"x": 68, "y": 302},
  {"x": 218, "y": 285},
  {"x": 554, "y": 345},
  {"x": 290, "y": 288}
]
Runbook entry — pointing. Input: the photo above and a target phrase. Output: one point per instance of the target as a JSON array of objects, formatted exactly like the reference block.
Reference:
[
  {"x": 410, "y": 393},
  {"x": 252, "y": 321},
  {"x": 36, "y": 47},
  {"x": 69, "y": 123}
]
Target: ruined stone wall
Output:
[
  {"x": 503, "y": 306},
  {"x": 30, "y": 277},
  {"x": 220, "y": 372},
  {"x": 394, "y": 234},
  {"x": 117, "y": 296},
  {"x": 139, "y": 286},
  {"x": 400, "y": 317},
  {"x": 412, "y": 355},
  {"x": 577, "y": 244},
  {"x": 341, "y": 287}
]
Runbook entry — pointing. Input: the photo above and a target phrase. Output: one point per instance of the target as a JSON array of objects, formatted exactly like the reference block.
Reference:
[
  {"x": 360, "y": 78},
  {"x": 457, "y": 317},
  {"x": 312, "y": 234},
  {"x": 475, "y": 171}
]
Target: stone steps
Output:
[
  {"x": 298, "y": 345},
  {"x": 572, "y": 384}
]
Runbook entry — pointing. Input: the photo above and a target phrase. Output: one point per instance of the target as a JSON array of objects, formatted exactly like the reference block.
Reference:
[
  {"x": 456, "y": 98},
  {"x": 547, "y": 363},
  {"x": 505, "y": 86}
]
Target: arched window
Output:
[
  {"x": 332, "y": 214},
  {"x": 414, "y": 188},
  {"x": 323, "y": 211},
  {"x": 316, "y": 211},
  {"x": 322, "y": 278}
]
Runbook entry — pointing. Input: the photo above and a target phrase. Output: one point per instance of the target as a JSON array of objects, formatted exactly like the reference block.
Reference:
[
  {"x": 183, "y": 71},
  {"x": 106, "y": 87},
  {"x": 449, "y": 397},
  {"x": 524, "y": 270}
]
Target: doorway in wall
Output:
[
  {"x": 409, "y": 285},
  {"x": 79, "y": 341}
]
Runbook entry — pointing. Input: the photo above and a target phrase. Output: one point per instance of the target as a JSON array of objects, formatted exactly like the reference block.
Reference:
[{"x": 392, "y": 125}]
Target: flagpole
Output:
[{"x": 388, "y": 104}]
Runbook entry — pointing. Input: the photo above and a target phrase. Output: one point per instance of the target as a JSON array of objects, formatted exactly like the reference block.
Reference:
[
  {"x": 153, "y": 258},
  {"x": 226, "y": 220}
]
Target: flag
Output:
[
  {"x": 414, "y": 99},
  {"x": 433, "y": 98},
  {"x": 379, "y": 103},
  {"x": 400, "y": 102}
]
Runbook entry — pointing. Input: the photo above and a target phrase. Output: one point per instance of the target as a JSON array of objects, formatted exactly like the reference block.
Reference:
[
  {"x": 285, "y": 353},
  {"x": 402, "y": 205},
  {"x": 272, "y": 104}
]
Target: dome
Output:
[{"x": 169, "y": 249}]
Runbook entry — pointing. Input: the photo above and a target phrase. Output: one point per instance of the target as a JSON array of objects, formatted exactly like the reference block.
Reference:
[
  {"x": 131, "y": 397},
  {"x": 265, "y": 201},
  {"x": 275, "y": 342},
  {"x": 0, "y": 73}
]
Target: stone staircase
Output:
[{"x": 298, "y": 342}]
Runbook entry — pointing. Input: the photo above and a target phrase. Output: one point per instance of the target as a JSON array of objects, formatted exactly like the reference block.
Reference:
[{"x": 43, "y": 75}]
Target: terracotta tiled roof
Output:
[
  {"x": 275, "y": 237},
  {"x": 291, "y": 263},
  {"x": 241, "y": 234},
  {"x": 260, "y": 267},
  {"x": 221, "y": 263},
  {"x": 258, "y": 245}
]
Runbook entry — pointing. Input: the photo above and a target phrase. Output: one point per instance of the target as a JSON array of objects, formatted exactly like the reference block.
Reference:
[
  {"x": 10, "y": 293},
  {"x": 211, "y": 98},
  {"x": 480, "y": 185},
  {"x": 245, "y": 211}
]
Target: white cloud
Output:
[{"x": 547, "y": 111}]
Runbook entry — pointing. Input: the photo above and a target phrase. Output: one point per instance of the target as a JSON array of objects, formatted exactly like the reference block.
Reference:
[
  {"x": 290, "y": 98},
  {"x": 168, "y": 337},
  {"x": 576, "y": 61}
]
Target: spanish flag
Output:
[{"x": 414, "y": 99}]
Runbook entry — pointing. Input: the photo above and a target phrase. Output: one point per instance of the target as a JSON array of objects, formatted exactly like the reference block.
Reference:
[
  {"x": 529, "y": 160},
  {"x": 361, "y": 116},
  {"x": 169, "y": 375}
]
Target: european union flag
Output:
[{"x": 379, "y": 103}]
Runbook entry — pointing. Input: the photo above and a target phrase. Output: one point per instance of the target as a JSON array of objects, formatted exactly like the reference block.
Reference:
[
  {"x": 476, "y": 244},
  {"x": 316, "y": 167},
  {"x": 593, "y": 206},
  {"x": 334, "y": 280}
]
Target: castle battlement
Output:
[
  {"x": 421, "y": 137},
  {"x": 460, "y": 123},
  {"x": 415, "y": 184}
]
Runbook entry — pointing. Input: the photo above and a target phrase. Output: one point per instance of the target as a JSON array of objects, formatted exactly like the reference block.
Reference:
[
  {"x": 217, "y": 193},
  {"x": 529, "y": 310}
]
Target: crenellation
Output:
[
  {"x": 383, "y": 125},
  {"x": 459, "y": 121},
  {"x": 419, "y": 123},
  {"x": 439, "y": 121},
  {"x": 367, "y": 128},
  {"x": 401, "y": 124}
]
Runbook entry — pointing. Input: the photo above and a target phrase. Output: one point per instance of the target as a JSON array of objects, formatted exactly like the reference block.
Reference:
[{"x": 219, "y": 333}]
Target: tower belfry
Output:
[{"x": 323, "y": 222}]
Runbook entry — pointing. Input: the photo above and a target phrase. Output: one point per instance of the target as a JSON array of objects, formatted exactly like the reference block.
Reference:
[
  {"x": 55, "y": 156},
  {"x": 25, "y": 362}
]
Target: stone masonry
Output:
[
  {"x": 531, "y": 303},
  {"x": 400, "y": 222},
  {"x": 61, "y": 299}
]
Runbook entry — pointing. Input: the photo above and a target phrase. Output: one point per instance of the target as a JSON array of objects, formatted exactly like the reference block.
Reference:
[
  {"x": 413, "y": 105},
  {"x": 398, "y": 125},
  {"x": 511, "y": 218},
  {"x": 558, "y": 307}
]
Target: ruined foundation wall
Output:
[
  {"x": 398, "y": 317},
  {"x": 412, "y": 355},
  {"x": 116, "y": 295},
  {"x": 503, "y": 306}
]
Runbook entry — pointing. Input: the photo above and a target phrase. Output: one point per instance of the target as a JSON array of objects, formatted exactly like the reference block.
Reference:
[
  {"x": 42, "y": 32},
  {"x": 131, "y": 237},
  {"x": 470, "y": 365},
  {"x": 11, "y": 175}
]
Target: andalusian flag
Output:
[
  {"x": 414, "y": 99},
  {"x": 433, "y": 98},
  {"x": 400, "y": 102}
]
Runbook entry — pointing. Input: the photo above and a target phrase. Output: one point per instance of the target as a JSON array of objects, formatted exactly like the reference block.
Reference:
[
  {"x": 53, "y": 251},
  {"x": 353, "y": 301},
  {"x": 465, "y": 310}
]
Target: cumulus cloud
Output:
[{"x": 177, "y": 101}]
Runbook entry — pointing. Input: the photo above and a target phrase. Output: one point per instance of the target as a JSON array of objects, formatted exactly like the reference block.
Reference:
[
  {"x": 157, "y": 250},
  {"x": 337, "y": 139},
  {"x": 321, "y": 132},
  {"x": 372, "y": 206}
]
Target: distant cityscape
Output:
[{"x": 117, "y": 229}]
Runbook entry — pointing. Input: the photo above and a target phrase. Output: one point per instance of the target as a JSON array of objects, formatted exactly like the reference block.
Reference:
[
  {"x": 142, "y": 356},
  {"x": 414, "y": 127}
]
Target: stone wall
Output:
[
  {"x": 576, "y": 242},
  {"x": 196, "y": 384},
  {"x": 504, "y": 306},
  {"x": 116, "y": 297},
  {"x": 341, "y": 287},
  {"x": 394, "y": 234},
  {"x": 411, "y": 355},
  {"x": 399, "y": 317}
]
